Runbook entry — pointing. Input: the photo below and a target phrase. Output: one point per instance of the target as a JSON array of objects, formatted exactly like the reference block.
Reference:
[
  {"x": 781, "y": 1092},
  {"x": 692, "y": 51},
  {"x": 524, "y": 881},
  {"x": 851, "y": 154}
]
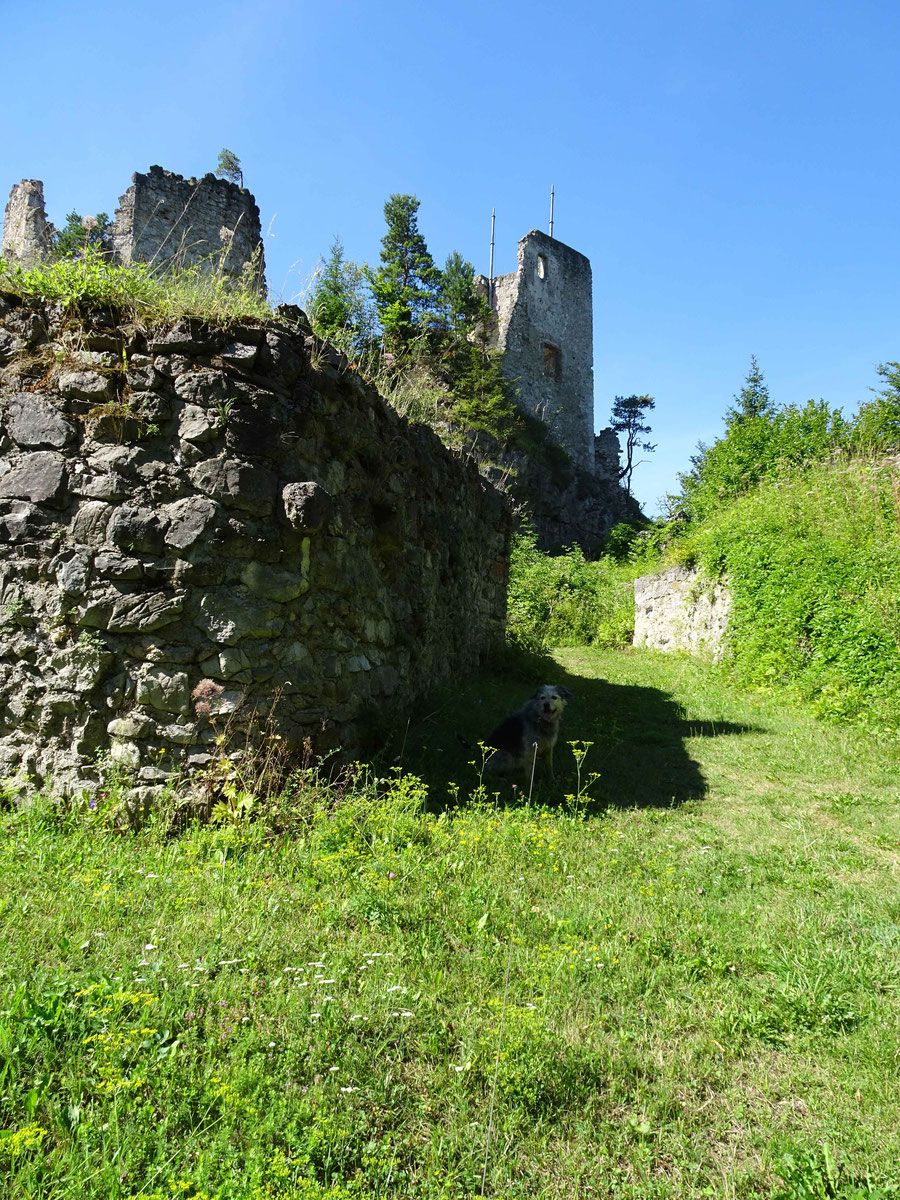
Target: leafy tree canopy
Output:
[
  {"x": 878, "y": 420},
  {"x": 759, "y": 437}
]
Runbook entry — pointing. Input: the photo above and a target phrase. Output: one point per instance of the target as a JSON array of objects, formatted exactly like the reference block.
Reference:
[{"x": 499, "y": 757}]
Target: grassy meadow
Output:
[{"x": 672, "y": 972}]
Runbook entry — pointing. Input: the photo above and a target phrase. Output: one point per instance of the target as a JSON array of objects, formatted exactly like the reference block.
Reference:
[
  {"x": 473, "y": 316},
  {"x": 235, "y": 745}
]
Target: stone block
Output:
[
  {"x": 85, "y": 385},
  {"x": 90, "y": 522},
  {"x": 164, "y": 689},
  {"x": 40, "y": 477},
  {"x": 32, "y": 421},
  {"x": 189, "y": 520},
  {"x": 307, "y": 506}
]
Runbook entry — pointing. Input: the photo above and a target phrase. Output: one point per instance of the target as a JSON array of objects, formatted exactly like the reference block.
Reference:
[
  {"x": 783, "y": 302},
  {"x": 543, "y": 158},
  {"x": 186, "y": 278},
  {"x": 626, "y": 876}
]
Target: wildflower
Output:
[{"x": 391, "y": 875}]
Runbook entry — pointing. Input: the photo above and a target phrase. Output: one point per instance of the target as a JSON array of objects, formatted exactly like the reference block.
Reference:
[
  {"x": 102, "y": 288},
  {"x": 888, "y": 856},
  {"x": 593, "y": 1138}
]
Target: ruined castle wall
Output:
[
  {"x": 545, "y": 331},
  {"x": 165, "y": 219},
  {"x": 195, "y": 521},
  {"x": 27, "y": 234}
]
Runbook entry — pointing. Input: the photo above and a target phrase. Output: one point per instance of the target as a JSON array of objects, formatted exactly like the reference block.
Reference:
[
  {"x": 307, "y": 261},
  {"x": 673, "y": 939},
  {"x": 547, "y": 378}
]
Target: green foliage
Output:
[
  {"x": 753, "y": 399},
  {"x": 229, "y": 166},
  {"x": 80, "y": 234},
  {"x": 813, "y": 1174},
  {"x": 459, "y": 305},
  {"x": 566, "y": 600},
  {"x": 482, "y": 395},
  {"x": 340, "y": 308},
  {"x": 91, "y": 281},
  {"x": 877, "y": 424},
  {"x": 622, "y": 538},
  {"x": 628, "y": 417},
  {"x": 405, "y": 286},
  {"x": 812, "y": 558},
  {"x": 755, "y": 447}
]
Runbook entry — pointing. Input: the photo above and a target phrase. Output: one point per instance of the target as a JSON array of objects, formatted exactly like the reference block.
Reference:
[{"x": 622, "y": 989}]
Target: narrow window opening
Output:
[
  {"x": 552, "y": 362},
  {"x": 542, "y": 266}
]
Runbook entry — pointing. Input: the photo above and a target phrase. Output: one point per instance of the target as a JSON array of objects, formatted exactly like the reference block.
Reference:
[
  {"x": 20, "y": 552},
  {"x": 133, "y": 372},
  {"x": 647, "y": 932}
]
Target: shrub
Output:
[
  {"x": 566, "y": 600},
  {"x": 813, "y": 561}
]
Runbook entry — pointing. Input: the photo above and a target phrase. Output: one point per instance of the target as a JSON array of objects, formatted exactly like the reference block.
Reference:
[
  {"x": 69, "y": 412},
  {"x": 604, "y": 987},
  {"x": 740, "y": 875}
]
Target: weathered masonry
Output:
[
  {"x": 544, "y": 328},
  {"x": 163, "y": 219},
  {"x": 198, "y": 523}
]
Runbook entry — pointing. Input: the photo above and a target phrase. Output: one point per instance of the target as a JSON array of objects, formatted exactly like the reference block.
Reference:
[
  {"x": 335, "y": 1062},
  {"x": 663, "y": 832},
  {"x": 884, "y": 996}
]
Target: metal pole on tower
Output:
[
  {"x": 551, "y": 210},
  {"x": 491, "y": 268}
]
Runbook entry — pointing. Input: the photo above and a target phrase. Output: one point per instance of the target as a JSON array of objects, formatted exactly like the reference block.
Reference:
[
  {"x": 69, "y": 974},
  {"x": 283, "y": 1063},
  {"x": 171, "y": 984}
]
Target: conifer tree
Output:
[
  {"x": 229, "y": 167},
  {"x": 406, "y": 284},
  {"x": 753, "y": 398},
  {"x": 460, "y": 304},
  {"x": 628, "y": 417},
  {"x": 339, "y": 308},
  {"x": 79, "y": 233}
]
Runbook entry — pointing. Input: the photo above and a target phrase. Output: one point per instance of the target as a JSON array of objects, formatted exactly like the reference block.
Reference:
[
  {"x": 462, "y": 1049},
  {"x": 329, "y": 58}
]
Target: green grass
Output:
[
  {"x": 702, "y": 969},
  {"x": 137, "y": 290}
]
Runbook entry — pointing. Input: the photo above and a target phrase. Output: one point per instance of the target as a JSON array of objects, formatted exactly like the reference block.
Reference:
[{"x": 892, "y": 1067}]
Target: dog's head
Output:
[{"x": 550, "y": 701}]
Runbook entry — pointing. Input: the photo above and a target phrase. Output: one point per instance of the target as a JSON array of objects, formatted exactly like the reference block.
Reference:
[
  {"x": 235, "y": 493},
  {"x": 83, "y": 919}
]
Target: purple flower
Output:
[
  {"x": 391, "y": 875},
  {"x": 93, "y": 804}
]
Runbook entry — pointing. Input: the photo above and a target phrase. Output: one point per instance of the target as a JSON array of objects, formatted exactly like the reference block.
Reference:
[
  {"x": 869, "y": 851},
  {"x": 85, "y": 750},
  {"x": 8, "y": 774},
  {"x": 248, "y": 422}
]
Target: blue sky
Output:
[{"x": 730, "y": 168}]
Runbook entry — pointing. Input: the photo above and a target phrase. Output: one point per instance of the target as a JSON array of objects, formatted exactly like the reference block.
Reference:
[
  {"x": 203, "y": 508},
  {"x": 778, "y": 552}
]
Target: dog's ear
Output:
[{"x": 565, "y": 693}]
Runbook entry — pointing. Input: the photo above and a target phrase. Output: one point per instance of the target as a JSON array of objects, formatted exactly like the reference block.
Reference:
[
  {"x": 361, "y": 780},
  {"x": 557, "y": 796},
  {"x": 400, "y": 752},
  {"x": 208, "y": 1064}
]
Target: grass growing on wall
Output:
[
  {"x": 136, "y": 290},
  {"x": 813, "y": 561}
]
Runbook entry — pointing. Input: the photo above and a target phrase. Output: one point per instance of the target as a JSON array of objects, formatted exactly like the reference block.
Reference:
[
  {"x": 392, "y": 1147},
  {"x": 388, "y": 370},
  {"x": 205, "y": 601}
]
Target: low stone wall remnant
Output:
[
  {"x": 199, "y": 523},
  {"x": 679, "y": 609}
]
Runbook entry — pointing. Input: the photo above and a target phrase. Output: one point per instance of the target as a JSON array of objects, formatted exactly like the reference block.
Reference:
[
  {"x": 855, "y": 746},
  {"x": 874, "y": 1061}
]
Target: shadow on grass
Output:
[{"x": 637, "y": 737}]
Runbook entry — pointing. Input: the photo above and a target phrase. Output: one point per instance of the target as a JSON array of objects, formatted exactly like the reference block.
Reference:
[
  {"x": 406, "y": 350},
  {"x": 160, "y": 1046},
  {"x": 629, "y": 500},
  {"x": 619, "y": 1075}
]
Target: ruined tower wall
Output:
[
  {"x": 27, "y": 233},
  {"x": 545, "y": 331},
  {"x": 166, "y": 219},
  {"x": 163, "y": 219}
]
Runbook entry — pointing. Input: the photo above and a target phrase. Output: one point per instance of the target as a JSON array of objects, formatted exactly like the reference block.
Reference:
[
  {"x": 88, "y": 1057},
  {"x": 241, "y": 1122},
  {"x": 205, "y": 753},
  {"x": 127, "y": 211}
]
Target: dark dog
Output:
[{"x": 530, "y": 732}]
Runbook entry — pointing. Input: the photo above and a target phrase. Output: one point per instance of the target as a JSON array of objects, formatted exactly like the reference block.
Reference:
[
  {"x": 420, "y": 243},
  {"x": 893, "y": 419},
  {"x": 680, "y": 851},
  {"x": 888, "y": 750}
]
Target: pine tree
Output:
[
  {"x": 405, "y": 286},
  {"x": 627, "y": 417},
  {"x": 229, "y": 166},
  {"x": 79, "y": 233},
  {"x": 460, "y": 305}
]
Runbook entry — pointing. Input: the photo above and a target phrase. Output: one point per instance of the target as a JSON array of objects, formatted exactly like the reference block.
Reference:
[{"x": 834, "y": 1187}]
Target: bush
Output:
[
  {"x": 813, "y": 560},
  {"x": 755, "y": 447},
  {"x": 566, "y": 600}
]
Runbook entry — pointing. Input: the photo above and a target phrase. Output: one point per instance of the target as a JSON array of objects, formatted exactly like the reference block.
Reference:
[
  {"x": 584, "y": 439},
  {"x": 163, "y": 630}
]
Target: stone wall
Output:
[
  {"x": 544, "y": 327},
  {"x": 163, "y": 219},
  {"x": 679, "y": 609},
  {"x": 195, "y": 521},
  {"x": 27, "y": 234},
  {"x": 166, "y": 220}
]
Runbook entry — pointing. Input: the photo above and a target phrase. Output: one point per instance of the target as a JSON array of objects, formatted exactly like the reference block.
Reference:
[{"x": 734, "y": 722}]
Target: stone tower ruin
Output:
[
  {"x": 162, "y": 219},
  {"x": 544, "y": 328},
  {"x": 27, "y": 234}
]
